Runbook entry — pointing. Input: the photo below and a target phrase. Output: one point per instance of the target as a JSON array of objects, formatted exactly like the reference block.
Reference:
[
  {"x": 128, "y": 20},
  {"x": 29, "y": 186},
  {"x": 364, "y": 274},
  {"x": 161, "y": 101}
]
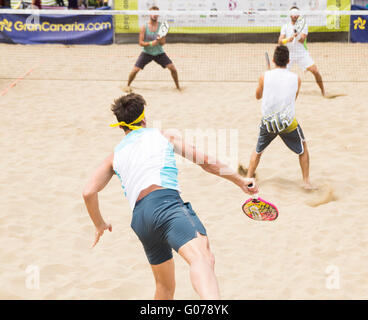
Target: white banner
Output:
[{"x": 231, "y": 5}]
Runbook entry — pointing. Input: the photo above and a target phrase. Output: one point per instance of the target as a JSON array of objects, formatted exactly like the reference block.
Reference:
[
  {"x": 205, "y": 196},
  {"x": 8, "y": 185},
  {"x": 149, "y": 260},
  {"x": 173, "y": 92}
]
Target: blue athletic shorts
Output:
[{"x": 162, "y": 222}]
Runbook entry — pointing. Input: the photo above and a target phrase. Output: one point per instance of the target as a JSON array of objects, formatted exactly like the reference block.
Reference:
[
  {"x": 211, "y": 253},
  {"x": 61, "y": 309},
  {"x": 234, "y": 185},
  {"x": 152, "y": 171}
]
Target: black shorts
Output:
[
  {"x": 144, "y": 58},
  {"x": 294, "y": 139}
]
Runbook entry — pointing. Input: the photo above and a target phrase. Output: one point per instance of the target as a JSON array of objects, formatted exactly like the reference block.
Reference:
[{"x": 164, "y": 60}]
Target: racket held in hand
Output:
[
  {"x": 299, "y": 25},
  {"x": 164, "y": 29},
  {"x": 268, "y": 63},
  {"x": 258, "y": 209}
]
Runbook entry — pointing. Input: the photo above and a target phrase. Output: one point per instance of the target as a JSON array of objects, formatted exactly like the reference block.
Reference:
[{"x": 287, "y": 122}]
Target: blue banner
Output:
[
  {"x": 358, "y": 26},
  {"x": 65, "y": 29}
]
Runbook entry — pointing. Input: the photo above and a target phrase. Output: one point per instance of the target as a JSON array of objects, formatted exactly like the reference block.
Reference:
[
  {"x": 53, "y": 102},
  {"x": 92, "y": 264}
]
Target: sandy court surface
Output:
[
  {"x": 54, "y": 133},
  {"x": 206, "y": 62}
]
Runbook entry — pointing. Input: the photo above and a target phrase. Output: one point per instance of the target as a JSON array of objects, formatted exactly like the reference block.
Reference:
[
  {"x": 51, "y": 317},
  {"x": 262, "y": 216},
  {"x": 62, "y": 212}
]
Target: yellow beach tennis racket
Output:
[{"x": 260, "y": 210}]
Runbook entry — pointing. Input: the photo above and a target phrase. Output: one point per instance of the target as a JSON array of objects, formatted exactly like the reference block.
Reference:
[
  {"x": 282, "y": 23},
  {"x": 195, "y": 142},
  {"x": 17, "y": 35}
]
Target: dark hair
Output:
[
  {"x": 294, "y": 7},
  {"x": 154, "y": 8},
  {"x": 281, "y": 56},
  {"x": 128, "y": 108}
]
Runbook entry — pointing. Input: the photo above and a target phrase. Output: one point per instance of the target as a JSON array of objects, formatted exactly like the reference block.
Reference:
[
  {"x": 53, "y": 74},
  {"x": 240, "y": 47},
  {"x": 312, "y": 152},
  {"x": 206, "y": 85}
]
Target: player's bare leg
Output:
[
  {"x": 132, "y": 75},
  {"x": 174, "y": 75},
  {"x": 304, "y": 165},
  {"x": 253, "y": 164},
  {"x": 197, "y": 254},
  {"x": 314, "y": 70},
  {"x": 164, "y": 274}
]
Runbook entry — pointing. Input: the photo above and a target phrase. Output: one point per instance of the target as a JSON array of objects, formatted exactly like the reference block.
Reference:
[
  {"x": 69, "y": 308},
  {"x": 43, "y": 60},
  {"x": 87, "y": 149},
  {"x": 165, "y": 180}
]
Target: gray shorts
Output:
[
  {"x": 294, "y": 139},
  {"x": 162, "y": 222}
]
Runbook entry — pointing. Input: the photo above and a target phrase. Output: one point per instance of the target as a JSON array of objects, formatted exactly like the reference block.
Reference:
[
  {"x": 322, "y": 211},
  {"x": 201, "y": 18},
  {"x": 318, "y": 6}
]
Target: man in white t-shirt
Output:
[{"x": 297, "y": 45}]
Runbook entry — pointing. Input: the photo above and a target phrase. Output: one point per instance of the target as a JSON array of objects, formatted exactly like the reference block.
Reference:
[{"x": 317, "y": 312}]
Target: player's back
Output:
[
  {"x": 144, "y": 158},
  {"x": 279, "y": 91}
]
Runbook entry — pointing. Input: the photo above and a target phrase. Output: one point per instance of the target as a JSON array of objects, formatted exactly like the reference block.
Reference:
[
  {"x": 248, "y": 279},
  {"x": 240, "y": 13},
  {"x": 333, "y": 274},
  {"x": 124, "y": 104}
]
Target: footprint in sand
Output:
[
  {"x": 334, "y": 95},
  {"x": 323, "y": 195},
  {"x": 126, "y": 89},
  {"x": 326, "y": 96},
  {"x": 243, "y": 171}
]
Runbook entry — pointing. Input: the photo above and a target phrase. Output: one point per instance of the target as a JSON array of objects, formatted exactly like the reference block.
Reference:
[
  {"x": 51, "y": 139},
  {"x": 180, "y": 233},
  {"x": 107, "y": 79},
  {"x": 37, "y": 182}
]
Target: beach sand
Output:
[{"x": 55, "y": 132}]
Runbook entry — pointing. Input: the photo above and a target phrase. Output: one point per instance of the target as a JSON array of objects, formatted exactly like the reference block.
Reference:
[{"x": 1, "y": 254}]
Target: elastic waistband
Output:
[{"x": 158, "y": 194}]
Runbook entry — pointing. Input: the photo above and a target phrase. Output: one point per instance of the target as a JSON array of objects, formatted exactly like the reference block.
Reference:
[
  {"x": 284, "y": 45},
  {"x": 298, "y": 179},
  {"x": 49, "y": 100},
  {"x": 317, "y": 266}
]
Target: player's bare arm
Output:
[
  {"x": 259, "y": 91},
  {"x": 161, "y": 41},
  {"x": 299, "y": 85},
  {"x": 97, "y": 182},
  {"x": 209, "y": 163},
  {"x": 302, "y": 38},
  {"x": 283, "y": 40}
]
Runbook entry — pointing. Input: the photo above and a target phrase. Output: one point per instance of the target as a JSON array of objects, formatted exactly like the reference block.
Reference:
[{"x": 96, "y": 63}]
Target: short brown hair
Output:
[
  {"x": 128, "y": 108},
  {"x": 281, "y": 56},
  {"x": 154, "y": 8}
]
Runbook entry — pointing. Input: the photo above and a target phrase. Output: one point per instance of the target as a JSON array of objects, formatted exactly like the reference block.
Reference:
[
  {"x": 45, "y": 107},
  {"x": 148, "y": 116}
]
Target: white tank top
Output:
[
  {"x": 145, "y": 157},
  {"x": 279, "y": 91},
  {"x": 296, "y": 48}
]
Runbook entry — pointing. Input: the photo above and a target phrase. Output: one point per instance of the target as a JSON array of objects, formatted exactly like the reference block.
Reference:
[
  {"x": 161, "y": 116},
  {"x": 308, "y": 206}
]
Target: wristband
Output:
[
  {"x": 150, "y": 43},
  {"x": 284, "y": 41}
]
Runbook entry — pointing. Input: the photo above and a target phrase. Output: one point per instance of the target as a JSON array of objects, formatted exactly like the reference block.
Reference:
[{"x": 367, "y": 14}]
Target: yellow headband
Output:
[{"x": 130, "y": 125}]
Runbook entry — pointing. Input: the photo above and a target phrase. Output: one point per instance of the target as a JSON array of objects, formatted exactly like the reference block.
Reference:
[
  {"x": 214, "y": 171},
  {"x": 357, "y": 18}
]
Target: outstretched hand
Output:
[{"x": 100, "y": 231}]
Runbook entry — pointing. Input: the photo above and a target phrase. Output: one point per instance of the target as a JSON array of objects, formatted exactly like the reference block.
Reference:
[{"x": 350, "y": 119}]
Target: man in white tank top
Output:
[
  {"x": 278, "y": 89},
  {"x": 145, "y": 165},
  {"x": 297, "y": 45}
]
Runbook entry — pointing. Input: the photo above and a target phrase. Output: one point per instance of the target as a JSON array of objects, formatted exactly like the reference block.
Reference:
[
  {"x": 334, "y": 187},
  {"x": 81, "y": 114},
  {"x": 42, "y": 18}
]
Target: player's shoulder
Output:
[
  {"x": 294, "y": 75},
  {"x": 172, "y": 135}
]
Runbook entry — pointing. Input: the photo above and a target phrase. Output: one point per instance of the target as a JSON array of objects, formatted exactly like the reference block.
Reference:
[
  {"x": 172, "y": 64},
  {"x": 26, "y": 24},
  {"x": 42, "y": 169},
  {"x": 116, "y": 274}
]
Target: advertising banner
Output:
[
  {"x": 248, "y": 22},
  {"x": 39, "y": 29},
  {"x": 359, "y": 26}
]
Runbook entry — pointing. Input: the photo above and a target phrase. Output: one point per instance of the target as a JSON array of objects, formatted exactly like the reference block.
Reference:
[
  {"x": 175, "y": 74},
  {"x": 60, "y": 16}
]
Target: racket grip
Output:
[{"x": 254, "y": 196}]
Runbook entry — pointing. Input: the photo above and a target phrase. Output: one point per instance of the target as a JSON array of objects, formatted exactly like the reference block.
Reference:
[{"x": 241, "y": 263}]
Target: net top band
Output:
[{"x": 186, "y": 13}]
